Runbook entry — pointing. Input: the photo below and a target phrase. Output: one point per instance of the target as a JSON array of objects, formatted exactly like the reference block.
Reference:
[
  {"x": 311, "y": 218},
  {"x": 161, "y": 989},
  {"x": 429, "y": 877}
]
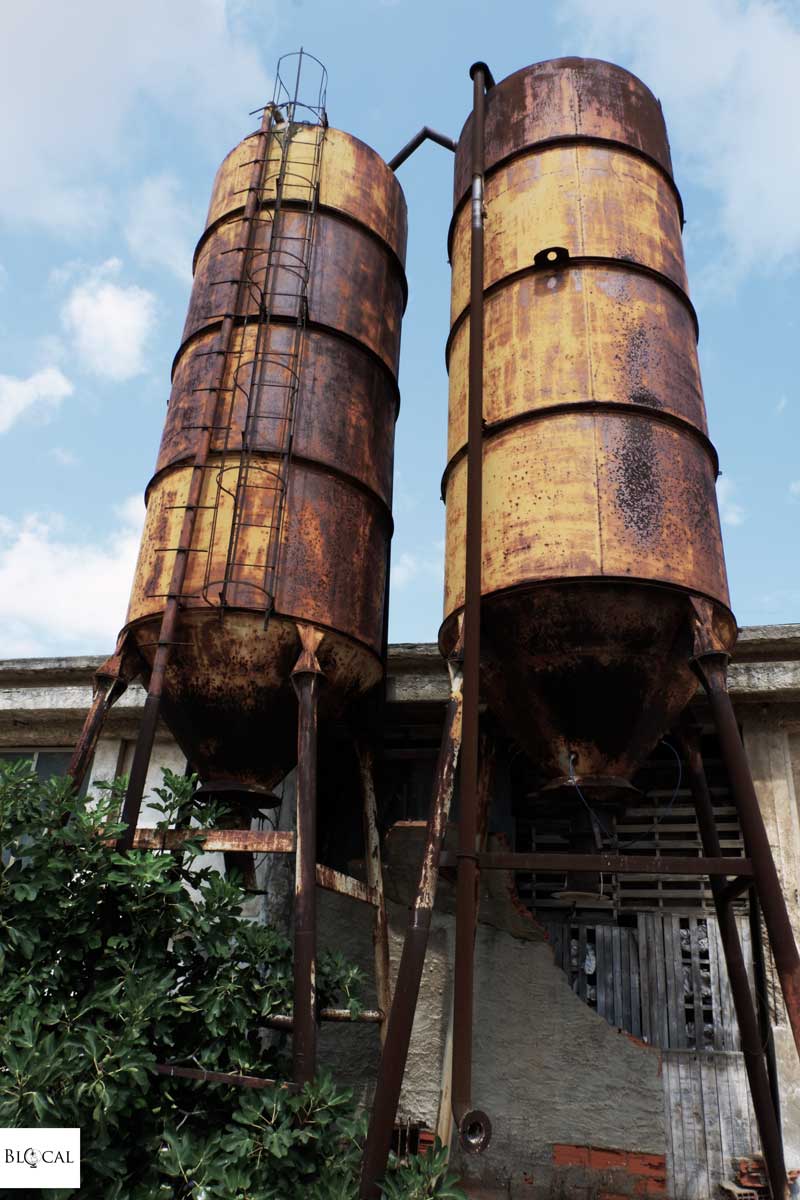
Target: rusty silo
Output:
[
  {"x": 263, "y": 566},
  {"x": 585, "y": 581},
  {"x": 599, "y": 507},
  {"x": 285, "y": 417}
]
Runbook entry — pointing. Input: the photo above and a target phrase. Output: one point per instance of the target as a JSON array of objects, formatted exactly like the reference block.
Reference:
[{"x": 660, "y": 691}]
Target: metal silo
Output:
[
  {"x": 263, "y": 566},
  {"x": 298, "y": 401},
  {"x": 585, "y": 584},
  {"x": 599, "y": 508}
]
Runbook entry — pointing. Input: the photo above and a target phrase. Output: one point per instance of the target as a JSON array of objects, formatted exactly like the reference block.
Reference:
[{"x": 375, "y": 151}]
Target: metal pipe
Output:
[
  {"x": 426, "y": 134},
  {"x": 306, "y": 680},
  {"x": 474, "y": 1126},
  {"x": 752, "y": 1049},
  {"x": 169, "y": 620},
  {"x": 339, "y": 1016},
  {"x": 409, "y": 974},
  {"x": 712, "y": 669},
  {"x": 110, "y": 682}
]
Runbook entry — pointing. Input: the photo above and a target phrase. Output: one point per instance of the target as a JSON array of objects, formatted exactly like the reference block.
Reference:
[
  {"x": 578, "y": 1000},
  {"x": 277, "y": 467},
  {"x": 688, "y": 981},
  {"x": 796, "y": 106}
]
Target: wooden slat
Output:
[
  {"x": 257, "y": 841},
  {"x": 729, "y": 1022},
  {"x": 714, "y": 1148},
  {"x": 637, "y": 1008},
  {"x": 660, "y": 1018},
  {"x": 615, "y": 937},
  {"x": 673, "y": 975},
  {"x": 645, "y": 981},
  {"x": 619, "y": 864},
  {"x": 623, "y": 977},
  {"x": 716, "y": 967}
]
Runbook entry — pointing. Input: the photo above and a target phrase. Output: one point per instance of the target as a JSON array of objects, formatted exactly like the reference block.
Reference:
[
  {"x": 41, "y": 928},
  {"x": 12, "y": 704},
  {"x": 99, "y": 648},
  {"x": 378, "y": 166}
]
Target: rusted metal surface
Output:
[
  {"x": 248, "y": 1081},
  {"x": 474, "y": 1127},
  {"x": 110, "y": 682},
  {"x": 222, "y": 682},
  {"x": 712, "y": 670},
  {"x": 339, "y": 1016},
  {"x": 306, "y": 679},
  {"x": 372, "y": 853},
  {"x": 175, "y": 564},
  {"x": 355, "y": 182},
  {"x": 256, "y": 841},
  {"x": 566, "y": 98},
  {"x": 752, "y": 1045},
  {"x": 345, "y": 885},
  {"x": 409, "y": 974},
  {"x": 610, "y": 864},
  {"x": 599, "y": 506}
]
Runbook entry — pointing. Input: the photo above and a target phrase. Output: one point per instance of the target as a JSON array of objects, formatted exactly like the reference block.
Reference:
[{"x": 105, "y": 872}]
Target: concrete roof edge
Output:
[{"x": 757, "y": 643}]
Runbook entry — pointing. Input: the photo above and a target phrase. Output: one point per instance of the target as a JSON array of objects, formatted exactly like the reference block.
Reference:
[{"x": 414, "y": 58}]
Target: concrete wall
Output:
[
  {"x": 772, "y": 750},
  {"x": 550, "y": 1072}
]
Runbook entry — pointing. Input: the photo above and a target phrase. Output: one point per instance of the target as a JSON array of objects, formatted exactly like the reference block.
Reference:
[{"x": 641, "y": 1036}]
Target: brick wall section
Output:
[{"x": 602, "y": 1173}]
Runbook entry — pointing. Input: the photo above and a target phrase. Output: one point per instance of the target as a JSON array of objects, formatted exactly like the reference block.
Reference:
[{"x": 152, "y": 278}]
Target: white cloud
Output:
[
  {"x": 41, "y": 392},
  {"x": 162, "y": 227},
  {"x": 110, "y": 323},
  {"x": 409, "y": 568},
  {"x": 794, "y": 489},
  {"x": 730, "y": 511},
  {"x": 63, "y": 456},
  {"x": 75, "y": 79},
  {"x": 726, "y": 72},
  {"x": 61, "y": 593}
]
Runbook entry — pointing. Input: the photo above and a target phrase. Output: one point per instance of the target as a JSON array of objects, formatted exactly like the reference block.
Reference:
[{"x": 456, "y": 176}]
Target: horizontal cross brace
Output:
[
  {"x": 257, "y": 841},
  {"x": 248, "y": 1081},
  {"x": 370, "y": 1016},
  {"x": 254, "y": 841},
  {"x": 611, "y": 864}
]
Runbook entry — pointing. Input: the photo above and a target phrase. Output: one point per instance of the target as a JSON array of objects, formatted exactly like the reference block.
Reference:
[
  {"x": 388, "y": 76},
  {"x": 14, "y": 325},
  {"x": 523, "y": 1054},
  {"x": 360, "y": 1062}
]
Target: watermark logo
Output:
[{"x": 40, "y": 1158}]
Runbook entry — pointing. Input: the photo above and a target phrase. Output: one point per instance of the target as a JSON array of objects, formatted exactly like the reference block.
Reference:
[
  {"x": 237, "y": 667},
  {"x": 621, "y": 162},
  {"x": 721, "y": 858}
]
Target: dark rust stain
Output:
[{"x": 637, "y": 479}]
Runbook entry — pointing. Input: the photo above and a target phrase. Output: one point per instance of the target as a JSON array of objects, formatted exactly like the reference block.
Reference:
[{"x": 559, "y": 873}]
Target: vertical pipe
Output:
[
  {"x": 409, "y": 974},
  {"x": 372, "y": 850},
  {"x": 752, "y": 1047},
  {"x": 473, "y": 1129},
  {"x": 713, "y": 674},
  {"x": 169, "y": 621},
  {"x": 305, "y": 680}
]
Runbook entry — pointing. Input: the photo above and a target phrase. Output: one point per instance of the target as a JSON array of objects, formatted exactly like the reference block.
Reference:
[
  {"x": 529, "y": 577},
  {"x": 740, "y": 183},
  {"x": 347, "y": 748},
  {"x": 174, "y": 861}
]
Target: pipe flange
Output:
[{"x": 475, "y": 1131}]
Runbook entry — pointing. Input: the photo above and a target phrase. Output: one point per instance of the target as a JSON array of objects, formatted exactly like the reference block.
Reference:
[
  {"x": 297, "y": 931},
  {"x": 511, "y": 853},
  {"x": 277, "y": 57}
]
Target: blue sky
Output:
[{"x": 113, "y": 119}]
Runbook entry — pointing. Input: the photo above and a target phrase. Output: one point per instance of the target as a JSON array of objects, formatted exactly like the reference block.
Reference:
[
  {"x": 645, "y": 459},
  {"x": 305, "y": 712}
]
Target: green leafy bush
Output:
[{"x": 111, "y": 963}]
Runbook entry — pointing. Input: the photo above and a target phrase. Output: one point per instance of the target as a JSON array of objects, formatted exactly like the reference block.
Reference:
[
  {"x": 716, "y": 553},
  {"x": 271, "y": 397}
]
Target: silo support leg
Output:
[
  {"x": 409, "y": 975},
  {"x": 306, "y": 679},
  {"x": 711, "y": 668},
  {"x": 372, "y": 850},
  {"x": 746, "y": 1016},
  {"x": 110, "y": 682}
]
